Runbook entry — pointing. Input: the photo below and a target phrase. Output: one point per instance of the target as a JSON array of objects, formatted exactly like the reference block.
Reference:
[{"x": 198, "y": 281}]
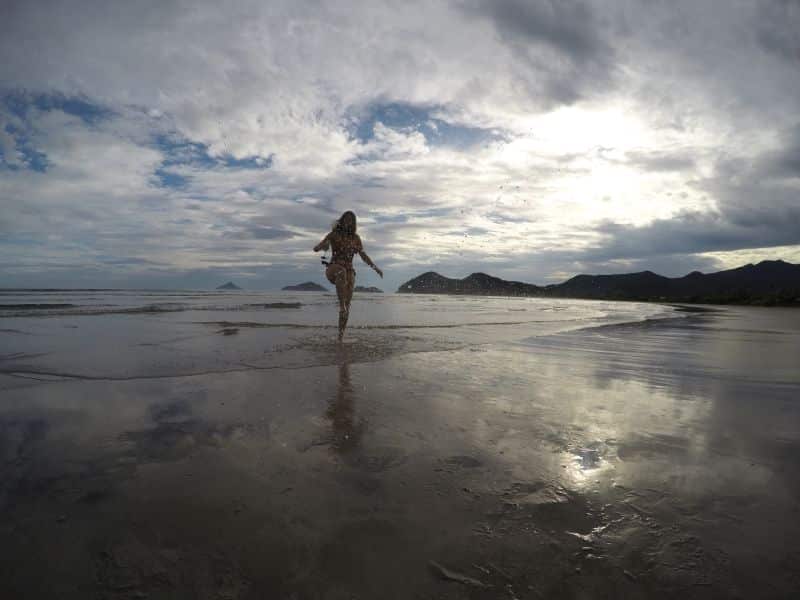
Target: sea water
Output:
[{"x": 141, "y": 333}]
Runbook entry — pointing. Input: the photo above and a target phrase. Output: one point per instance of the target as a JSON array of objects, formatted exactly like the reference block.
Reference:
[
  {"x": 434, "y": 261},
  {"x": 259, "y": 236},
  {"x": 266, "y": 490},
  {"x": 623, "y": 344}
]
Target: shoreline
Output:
[
  {"x": 366, "y": 342},
  {"x": 663, "y": 301}
]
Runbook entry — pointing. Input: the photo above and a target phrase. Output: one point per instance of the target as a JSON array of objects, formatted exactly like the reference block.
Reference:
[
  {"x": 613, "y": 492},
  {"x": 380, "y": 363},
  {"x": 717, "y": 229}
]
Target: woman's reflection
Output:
[{"x": 346, "y": 431}]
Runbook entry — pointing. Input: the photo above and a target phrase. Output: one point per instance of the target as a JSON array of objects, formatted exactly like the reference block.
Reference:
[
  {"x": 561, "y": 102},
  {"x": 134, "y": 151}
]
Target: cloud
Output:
[
  {"x": 126, "y": 261},
  {"x": 257, "y": 232},
  {"x": 8, "y": 147},
  {"x": 660, "y": 161},
  {"x": 756, "y": 206},
  {"x": 778, "y": 29},
  {"x": 563, "y": 44},
  {"x": 784, "y": 161},
  {"x": 697, "y": 233},
  {"x": 569, "y": 27},
  {"x": 432, "y": 122},
  {"x": 538, "y": 138}
]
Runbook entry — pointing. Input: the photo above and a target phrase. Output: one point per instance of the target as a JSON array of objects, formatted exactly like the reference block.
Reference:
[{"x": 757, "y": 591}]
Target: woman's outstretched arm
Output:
[
  {"x": 367, "y": 259},
  {"x": 324, "y": 244}
]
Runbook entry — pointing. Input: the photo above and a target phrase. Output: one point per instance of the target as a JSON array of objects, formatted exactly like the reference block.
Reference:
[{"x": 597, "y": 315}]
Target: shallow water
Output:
[
  {"x": 316, "y": 308},
  {"x": 152, "y": 333}
]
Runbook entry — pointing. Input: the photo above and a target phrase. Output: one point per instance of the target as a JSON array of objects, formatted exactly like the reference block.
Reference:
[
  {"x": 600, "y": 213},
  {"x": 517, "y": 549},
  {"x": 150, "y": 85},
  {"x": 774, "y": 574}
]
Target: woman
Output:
[{"x": 340, "y": 272}]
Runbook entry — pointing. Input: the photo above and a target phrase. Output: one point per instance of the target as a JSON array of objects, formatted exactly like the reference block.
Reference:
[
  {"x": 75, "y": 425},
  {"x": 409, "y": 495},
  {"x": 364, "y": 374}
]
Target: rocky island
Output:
[
  {"x": 308, "y": 286},
  {"x": 229, "y": 286},
  {"x": 367, "y": 290}
]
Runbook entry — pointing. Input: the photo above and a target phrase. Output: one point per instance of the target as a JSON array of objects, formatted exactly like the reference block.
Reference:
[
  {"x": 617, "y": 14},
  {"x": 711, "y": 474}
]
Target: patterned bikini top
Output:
[{"x": 345, "y": 248}]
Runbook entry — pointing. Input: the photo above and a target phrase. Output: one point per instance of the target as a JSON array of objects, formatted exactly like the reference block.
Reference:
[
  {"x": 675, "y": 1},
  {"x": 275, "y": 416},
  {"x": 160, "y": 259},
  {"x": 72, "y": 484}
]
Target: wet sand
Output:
[{"x": 650, "y": 460}]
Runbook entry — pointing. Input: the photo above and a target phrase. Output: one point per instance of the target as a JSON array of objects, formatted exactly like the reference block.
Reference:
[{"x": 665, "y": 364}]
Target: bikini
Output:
[{"x": 339, "y": 258}]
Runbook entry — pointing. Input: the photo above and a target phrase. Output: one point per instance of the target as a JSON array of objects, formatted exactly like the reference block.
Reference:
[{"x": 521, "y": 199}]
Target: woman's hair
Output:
[{"x": 339, "y": 225}]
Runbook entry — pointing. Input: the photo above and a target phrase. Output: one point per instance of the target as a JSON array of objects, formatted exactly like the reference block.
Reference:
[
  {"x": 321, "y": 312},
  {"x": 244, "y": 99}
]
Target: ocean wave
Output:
[
  {"x": 4, "y": 307},
  {"x": 34, "y": 306},
  {"x": 263, "y": 325},
  {"x": 52, "y": 310}
]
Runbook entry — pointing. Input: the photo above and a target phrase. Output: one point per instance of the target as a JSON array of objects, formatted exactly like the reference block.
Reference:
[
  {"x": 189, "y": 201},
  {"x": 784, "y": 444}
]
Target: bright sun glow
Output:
[
  {"x": 579, "y": 130},
  {"x": 589, "y": 178}
]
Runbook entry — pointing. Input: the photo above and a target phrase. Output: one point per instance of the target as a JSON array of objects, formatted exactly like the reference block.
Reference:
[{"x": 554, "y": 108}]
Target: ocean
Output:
[{"x": 103, "y": 333}]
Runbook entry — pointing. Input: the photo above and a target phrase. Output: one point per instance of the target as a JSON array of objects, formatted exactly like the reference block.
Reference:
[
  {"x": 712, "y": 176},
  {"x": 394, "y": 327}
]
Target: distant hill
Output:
[
  {"x": 767, "y": 283},
  {"x": 370, "y": 290},
  {"x": 645, "y": 284},
  {"x": 479, "y": 284},
  {"x": 308, "y": 286},
  {"x": 229, "y": 286}
]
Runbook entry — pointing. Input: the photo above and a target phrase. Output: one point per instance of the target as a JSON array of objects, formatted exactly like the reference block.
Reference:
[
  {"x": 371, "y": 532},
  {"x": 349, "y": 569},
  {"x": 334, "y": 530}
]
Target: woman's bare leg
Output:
[
  {"x": 348, "y": 283},
  {"x": 351, "y": 284},
  {"x": 344, "y": 305},
  {"x": 338, "y": 275}
]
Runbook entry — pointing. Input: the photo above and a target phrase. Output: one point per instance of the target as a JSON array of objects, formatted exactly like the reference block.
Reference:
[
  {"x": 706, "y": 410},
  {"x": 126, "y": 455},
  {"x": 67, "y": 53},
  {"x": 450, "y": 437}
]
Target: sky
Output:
[{"x": 171, "y": 144}]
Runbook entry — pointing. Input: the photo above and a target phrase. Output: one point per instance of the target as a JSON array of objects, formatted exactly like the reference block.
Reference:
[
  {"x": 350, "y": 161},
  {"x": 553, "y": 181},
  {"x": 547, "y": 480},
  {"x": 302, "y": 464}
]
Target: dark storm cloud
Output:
[
  {"x": 580, "y": 60},
  {"x": 568, "y": 26},
  {"x": 698, "y": 232},
  {"x": 778, "y": 28},
  {"x": 785, "y": 161}
]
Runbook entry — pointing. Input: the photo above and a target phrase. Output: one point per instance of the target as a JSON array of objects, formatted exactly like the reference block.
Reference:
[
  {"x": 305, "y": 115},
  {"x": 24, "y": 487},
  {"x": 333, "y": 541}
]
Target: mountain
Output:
[
  {"x": 768, "y": 282},
  {"x": 229, "y": 286},
  {"x": 630, "y": 285},
  {"x": 308, "y": 286},
  {"x": 371, "y": 289},
  {"x": 475, "y": 284},
  {"x": 774, "y": 281}
]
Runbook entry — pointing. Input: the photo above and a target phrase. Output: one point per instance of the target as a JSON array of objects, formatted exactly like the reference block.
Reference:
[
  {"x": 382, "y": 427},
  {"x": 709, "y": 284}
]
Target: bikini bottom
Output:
[{"x": 329, "y": 273}]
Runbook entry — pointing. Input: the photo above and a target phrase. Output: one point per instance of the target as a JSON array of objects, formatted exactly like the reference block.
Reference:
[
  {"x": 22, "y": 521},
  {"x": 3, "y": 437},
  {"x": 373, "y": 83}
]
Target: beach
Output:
[{"x": 225, "y": 446}]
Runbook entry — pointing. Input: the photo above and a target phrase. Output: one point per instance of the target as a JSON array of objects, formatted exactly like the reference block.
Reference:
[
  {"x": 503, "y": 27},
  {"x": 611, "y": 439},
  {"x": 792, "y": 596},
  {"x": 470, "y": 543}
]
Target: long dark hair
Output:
[{"x": 340, "y": 226}]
